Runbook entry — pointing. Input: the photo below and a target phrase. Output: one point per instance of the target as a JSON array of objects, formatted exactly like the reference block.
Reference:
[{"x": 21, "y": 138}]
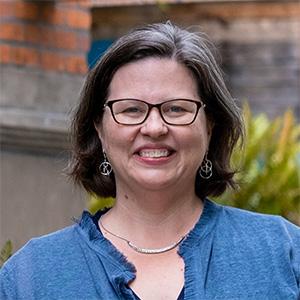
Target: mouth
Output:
[{"x": 154, "y": 153}]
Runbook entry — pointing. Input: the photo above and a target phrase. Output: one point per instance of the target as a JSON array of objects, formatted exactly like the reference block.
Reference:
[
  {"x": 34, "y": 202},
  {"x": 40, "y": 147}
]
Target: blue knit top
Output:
[{"x": 229, "y": 254}]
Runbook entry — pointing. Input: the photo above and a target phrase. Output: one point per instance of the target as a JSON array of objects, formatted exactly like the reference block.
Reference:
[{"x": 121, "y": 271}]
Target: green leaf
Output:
[
  {"x": 95, "y": 203},
  {"x": 5, "y": 252},
  {"x": 270, "y": 164}
]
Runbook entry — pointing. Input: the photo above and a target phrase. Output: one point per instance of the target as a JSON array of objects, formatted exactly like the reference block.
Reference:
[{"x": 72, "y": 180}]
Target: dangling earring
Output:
[
  {"x": 206, "y": 168},
  {"x": 105, "y": 167}
]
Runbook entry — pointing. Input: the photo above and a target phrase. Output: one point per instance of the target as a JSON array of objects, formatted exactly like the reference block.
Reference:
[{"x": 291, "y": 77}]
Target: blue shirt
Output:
[{"x": 230, "y": 254}]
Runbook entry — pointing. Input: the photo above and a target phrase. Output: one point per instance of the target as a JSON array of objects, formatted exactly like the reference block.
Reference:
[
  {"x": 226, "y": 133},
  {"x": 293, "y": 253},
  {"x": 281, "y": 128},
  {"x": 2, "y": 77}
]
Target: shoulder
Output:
[
  {"x": 270, "y": 229},
  {"x": 37, "y": 251},
  {"x": 265, "y": 242},
  {"x": 54, "y": 241},
  {"x": 253, "y": 219},
  {"x": 42, "y": 260}
]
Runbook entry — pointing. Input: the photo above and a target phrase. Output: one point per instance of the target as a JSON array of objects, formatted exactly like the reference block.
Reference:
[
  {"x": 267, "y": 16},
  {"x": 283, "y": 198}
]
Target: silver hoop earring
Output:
[
  {"x": 105, "y": 167},
  {"x": 206, "y": 168}
]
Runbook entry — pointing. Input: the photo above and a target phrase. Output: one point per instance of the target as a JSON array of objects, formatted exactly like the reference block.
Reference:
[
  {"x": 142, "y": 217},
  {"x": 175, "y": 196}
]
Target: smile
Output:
[{"x": 154, "y": 153}]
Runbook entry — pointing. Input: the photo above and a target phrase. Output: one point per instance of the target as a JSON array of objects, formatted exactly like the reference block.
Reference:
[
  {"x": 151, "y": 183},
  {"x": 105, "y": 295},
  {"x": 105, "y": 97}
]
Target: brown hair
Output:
[{"x": 163, "y": 40}]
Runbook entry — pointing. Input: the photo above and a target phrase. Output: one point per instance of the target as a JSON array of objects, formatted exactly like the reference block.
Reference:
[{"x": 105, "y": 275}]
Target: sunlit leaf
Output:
[{"x": 5, "y": 252}]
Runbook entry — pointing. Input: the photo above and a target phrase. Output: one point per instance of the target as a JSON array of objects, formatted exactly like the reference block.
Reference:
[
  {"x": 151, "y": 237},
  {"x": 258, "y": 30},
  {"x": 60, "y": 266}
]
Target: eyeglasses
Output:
[{"x": 173, "y": 112}]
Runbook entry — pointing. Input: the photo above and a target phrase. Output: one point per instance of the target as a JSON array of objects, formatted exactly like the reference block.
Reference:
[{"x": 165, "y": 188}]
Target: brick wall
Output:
[
  {"x": 258, "y": 42},
  {"x": 43, "y": 48},
  {"x": 47, "y": 35}
]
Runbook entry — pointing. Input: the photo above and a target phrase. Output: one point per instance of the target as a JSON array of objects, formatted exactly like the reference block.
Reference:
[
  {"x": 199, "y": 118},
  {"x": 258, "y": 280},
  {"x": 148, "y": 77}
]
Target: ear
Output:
[
  {"x": 100, "y": 132},
  {"x": 210, "y": 126}
]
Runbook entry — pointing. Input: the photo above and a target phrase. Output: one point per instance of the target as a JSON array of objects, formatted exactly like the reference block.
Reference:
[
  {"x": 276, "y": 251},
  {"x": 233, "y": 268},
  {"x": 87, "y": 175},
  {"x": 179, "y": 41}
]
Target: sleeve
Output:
[
  {"x": 7, "y": 288},
  {"x": 293, "y": 234},
  {"x": 16, "y": 275}
]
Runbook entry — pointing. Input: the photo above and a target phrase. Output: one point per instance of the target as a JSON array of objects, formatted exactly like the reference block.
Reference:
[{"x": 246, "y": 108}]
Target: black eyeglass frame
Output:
[{"x": 110, "y": 103}]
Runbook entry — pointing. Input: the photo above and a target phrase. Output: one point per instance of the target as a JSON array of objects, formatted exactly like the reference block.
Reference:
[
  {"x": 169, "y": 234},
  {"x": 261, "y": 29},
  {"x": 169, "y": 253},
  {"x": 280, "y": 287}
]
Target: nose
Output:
[{"x": 154, "y": 126}]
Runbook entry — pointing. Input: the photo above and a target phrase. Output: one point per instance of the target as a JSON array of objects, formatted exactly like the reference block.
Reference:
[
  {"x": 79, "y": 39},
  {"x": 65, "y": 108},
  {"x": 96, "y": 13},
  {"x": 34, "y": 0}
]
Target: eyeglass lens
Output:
[{"x": 178, "y": 112}]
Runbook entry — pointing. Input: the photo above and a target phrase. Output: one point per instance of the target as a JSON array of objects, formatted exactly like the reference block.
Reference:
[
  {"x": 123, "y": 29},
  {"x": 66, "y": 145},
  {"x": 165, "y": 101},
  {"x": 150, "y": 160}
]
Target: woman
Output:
[{"x": 155, "y": 129}]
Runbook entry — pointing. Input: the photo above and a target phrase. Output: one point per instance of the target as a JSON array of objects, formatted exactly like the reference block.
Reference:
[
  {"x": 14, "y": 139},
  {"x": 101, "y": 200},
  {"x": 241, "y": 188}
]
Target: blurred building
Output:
[{"x": 46, "y": 48}]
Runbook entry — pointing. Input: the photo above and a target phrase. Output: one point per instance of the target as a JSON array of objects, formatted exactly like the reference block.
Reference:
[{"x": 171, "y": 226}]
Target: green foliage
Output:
[
  {"x": 269, "y": 167},
  {"x": 95, "y": 203},
  {"x": 5, "y": 252}
]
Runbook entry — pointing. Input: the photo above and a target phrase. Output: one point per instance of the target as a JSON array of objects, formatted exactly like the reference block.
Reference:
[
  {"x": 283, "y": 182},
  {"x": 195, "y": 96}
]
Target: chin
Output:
[{"x": 155, "y": 182}]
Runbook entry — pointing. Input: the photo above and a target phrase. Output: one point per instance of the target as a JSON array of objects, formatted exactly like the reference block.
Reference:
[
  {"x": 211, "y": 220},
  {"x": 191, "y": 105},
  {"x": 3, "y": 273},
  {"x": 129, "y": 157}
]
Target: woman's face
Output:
[{"x": 154, "y": 155}]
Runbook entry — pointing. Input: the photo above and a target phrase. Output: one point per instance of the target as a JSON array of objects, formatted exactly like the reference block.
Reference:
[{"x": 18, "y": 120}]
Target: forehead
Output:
[{"x": 149, "y": 78}]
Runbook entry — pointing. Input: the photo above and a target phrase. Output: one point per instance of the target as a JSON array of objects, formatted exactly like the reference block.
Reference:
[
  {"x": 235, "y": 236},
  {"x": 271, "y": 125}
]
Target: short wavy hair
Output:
[{"x": 162, "y": 40}]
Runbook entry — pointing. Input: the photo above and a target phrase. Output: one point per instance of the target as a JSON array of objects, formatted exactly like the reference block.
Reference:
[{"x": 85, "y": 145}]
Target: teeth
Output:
[{"x": 154, "y": 153}]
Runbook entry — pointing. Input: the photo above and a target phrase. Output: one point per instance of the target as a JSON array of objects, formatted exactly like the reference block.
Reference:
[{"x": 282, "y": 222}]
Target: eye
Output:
[
  {"x": 133, "y": 110},
  {"x": 174, "y": 108},
  {"x": 129, "y": 107}
]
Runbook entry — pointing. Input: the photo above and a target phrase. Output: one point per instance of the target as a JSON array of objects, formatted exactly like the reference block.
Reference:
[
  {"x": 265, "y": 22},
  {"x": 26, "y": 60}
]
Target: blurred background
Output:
[{"x": 47, "y": 47}]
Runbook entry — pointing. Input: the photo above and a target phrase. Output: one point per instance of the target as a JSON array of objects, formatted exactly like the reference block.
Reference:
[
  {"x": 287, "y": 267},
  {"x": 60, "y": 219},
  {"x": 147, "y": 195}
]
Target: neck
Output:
[{"x": 153, "y": 218}]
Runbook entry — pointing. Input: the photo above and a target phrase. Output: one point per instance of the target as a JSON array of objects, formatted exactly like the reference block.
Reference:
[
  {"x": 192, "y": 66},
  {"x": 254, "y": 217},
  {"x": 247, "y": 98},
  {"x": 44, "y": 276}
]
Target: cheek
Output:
[
  {"x": 199, "y": 143},
  {"x": 118, "y": 138},
  {"x": 202, "y": 132},
  {"x": 108, "y": 131},
  {"x": 193, "y": 145}
]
